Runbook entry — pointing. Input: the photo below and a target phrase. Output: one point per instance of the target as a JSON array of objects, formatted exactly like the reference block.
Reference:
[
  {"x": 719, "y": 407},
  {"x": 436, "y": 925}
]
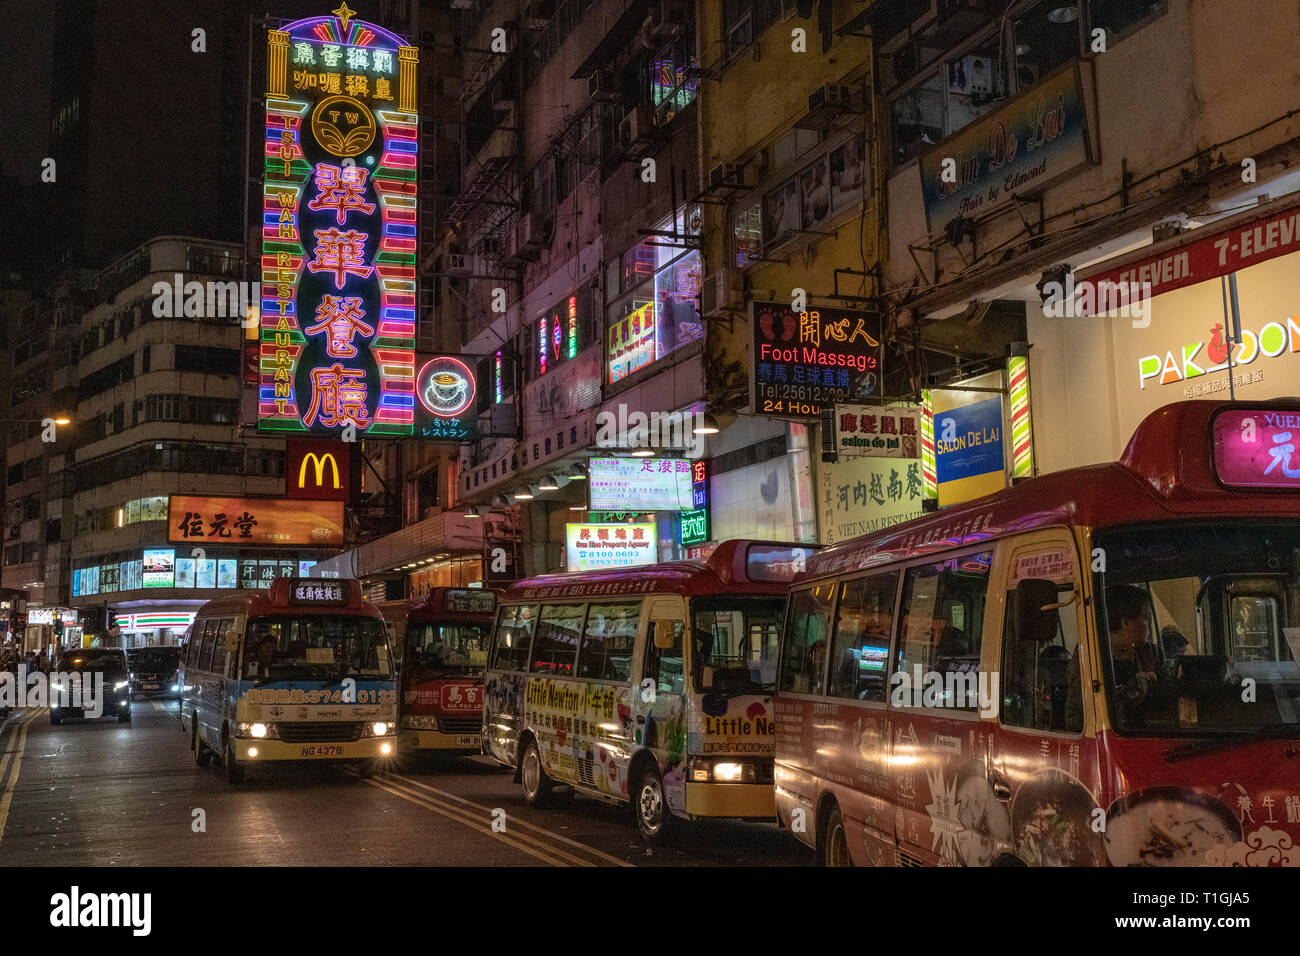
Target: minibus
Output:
[
  {"x": 648, "y": 686},
  {"x": 441, "y": 700},
  {"x": 300, "y": 671},
  {"x": 1092, "y": 667}
]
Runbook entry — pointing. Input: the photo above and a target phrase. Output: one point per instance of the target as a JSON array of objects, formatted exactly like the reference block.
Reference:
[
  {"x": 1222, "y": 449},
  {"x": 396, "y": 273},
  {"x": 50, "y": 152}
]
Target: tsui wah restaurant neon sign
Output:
[{"x": 337, "y": 327}]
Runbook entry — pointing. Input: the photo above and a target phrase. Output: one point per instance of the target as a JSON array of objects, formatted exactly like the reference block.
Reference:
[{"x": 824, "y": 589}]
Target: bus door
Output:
[
  {"x": 507, "y": 676},
  {"x": 659, "y": 697},
  {"x": 1044, "y": 774},
  {"x": 935, "y": 697}
]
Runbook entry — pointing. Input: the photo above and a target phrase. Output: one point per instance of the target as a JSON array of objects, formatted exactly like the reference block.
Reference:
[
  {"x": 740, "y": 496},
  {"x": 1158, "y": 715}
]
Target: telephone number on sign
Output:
[{"x": 802, "y": 393}]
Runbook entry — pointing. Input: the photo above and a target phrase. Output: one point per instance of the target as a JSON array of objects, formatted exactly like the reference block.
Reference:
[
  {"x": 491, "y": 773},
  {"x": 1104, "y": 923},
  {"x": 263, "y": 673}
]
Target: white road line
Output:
[{"x": 16, "y": 755}]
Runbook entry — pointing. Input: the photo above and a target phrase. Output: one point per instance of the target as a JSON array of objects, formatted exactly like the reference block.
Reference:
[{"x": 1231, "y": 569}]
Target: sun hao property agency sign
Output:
[
  {"x": 337, "y": 326},
  {"x": 804, "y": 360},
  {"x": 1033, "y": 140}
]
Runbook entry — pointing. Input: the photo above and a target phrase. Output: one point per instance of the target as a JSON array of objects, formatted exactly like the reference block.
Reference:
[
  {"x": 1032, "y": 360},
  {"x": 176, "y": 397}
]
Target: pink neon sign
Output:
[{"x": 1256, "y": 447}]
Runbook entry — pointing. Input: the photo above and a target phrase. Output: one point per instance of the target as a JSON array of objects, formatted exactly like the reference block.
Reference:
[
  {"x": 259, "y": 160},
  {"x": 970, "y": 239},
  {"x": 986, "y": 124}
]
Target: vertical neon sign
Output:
[
  {"x": 541, "y": 346},
  {"x": 573, "y": 326},
  {"x": 337, "y": 326},
  {"x": 498, "y": 380}
]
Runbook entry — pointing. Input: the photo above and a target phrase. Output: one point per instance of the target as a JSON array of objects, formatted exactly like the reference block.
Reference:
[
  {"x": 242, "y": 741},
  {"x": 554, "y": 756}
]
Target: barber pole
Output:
[
  {"x": 928, "y": 477},
  {"x": 1022, "y": 438}
]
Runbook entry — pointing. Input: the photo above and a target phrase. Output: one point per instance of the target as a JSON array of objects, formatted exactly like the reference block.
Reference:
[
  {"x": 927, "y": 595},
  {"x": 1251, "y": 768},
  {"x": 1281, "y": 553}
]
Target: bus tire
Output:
[
  {"x": 202, "y": 755},
  {"x": 835, "y": 844},
  {"x": 654, "y": 820},
  {"x": 538, "y": 788},
  {"x": 234, "y": 769}
]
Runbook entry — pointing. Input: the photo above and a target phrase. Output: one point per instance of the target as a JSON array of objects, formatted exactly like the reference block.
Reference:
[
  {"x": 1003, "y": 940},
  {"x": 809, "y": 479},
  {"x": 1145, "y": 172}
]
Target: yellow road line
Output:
[
  {"x": 16, "y": 755},
  {"x": 512, "y": 820},
  {"x": 473, "y": 822}
]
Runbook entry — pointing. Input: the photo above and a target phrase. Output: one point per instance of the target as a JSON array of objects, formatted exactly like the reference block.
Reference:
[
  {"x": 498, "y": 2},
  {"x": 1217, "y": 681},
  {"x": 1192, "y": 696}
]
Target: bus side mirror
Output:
[
  {"x": 232, "y": 643},
  {"x": 1036, "y": 606},
  {"x": 665, "y": 634}
]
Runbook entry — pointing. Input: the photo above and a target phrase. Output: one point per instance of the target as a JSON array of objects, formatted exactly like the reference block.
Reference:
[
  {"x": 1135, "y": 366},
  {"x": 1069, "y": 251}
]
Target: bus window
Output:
[
  {"x": 514, "y": 638},
  {"x": 943, "y": 616},
  {"x": 439, "y": 650},
  {"x": 209, "y": 641},
  {"x": 1040, "y": 681},
  {"x": 555, "y": 646},
  {"x": 607, "y": 641},
  {"x": 318, "y": 647},
  {"x": 803, "y": 667},
  {"x": 731, "y": 636},
  {"x": 864, "y": 623},
  {"x": 1189, "y": 612},
  {"x": 664, "y": 666}
]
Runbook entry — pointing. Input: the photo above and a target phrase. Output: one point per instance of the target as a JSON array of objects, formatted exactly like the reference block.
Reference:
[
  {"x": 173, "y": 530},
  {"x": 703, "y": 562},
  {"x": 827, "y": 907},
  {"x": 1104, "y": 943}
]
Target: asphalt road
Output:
[{"x": 100, "y": 793}]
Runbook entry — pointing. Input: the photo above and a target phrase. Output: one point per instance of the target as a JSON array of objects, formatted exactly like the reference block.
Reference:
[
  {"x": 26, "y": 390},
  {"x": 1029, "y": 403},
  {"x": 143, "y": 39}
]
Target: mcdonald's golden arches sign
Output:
[{"x": 319, "y": 470}]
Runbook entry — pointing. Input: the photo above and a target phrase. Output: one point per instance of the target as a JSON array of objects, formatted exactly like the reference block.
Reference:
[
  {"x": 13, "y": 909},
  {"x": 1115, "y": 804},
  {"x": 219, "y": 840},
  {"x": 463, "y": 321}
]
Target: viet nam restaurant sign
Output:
[
  {"x": 195, "y": 520},
  {"x": 1016, "y": 150},
  {"x": 804, "y": 360}
]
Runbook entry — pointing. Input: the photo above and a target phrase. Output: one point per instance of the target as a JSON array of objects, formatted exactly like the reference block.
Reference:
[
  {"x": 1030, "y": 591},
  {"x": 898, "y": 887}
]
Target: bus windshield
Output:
[
  {"x": 737, "y": 637},
  {"x": 1200, "y": 629},
  {"x": 316, "y": 647},
  {"x": 440, "y": 650}
]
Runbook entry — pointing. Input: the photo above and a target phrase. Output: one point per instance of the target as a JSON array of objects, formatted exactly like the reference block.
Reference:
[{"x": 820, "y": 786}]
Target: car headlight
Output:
[
  {"x": 258, "y": 731},
  {"x": 419, "y": 722},
  {"x": 379, "y": 728},
  {"x": 121, "y": 684}
]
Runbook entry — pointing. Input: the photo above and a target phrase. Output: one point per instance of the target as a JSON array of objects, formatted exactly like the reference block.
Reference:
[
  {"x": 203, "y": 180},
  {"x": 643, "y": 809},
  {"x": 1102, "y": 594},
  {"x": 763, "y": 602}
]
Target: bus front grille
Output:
[
  {"x": 320, "y": 732},
  {"x": 460, "y": 725}
]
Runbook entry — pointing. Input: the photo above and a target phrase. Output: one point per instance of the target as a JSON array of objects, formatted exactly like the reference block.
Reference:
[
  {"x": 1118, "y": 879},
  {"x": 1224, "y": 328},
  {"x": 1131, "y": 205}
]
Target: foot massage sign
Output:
[{"x": 337, "y": 323}]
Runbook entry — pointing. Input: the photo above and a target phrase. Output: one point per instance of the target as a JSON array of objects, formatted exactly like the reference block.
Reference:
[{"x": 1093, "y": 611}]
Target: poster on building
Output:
[
  {"x": 591, "y": 546},
  {"x": 802, "y": 361},
  {"x": 337, "y": 324},
  {"x": 159, "y": 568},
  {"x": 877, "y": 431},
  {"x": 969, "y": 457},
  {"x": 197, "y": 520},
  {"x": 862, "y": 495},
  {"x": 640, "y": 484}
]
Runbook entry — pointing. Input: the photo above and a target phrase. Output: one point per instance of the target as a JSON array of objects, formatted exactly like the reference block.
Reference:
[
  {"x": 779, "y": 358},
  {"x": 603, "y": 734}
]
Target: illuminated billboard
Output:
[
  {"x": 592, "y": 546},
  {"x": 337, "y": 325},
  {"x": 196, "y": 519},
  {"x": 640, "y": 484}
]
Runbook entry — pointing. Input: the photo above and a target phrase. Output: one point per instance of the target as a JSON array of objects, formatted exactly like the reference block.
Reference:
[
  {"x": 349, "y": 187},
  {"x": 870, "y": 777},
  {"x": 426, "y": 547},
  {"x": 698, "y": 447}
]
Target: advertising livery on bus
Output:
[
  {"x": 301, "y": 671},
  {"x": 442, "y": 671},
  {"x": 1095, "y": 666},
  {"x": 650, "y": 685}
]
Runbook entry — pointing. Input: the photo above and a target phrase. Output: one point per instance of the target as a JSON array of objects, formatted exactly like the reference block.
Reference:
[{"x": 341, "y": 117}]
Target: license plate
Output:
[
  {"x": 150, "y": 686},
  {"x": 467, "y": 741},
  {"x": 323, "y": 750}
]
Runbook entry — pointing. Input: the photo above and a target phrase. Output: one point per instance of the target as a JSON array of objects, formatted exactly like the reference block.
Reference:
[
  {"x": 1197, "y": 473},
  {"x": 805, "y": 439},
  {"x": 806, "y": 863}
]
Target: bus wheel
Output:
[
  {"x": 234, "y": 769},
  {"x": 656, "y": 822},
  {"x": 202, "y": 755},
  {"x": 835, "y": 848},
  {"x": 537, "y": 786}
]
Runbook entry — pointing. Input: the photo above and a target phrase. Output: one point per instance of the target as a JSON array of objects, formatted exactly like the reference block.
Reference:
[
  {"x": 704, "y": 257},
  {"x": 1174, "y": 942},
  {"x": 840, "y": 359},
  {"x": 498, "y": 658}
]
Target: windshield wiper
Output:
[{"x": 1209, "y": 744}]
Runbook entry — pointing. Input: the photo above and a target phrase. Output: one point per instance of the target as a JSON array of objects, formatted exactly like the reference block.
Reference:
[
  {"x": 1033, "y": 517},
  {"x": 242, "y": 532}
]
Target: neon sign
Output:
[
  {"x": 1271, "y": 341},
  {"x": 573, "y": 326},
  {"x": 337, "y": 326},
  {"x": 1256, "y": 448}
]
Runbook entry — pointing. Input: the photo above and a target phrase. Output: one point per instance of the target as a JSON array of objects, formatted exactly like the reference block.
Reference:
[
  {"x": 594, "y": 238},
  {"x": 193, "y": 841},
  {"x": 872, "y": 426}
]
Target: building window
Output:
[
  {"x": 659, "y": 312},
  {"x": 207, "y": 359}
]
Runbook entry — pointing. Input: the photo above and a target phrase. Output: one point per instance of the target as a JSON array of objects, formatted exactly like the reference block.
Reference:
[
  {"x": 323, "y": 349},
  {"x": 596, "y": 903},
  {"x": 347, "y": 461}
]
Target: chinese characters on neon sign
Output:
[{"x": 338, "y": 315}]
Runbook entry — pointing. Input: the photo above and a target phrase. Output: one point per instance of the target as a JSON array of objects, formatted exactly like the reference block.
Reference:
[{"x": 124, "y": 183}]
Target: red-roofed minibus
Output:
[
  {"x": 300, "y": 671},
  {"x": 648, "y": 685},
  {"x": 443, "y": 658},
  {"x": 1092, "y": 667}
]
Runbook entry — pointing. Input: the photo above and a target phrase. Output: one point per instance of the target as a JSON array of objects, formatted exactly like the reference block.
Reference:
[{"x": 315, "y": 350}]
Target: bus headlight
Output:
[
  {"x": 379, "y": 729},
  {"x": 728, "y": 772},
  {"x": 703, "y": 770},
  {"x": 258, "y": 731}
]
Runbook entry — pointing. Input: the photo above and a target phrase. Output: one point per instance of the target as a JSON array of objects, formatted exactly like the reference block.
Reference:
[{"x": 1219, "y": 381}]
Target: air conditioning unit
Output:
[
  {"x": 826, "y": 103},
  {"x": 529, "y": 238},
  {"x": 722, "y": 292},
  {"x": 635, "y": 130},
  {"x": 600, "y": 86},
  {"x": 538, "y": 14},
  {"x": 972, "y": 75},
  {"x": 666, "y": 21},
  {"x": 459, "y": 265},
  {"x": 726, "y": 174}
]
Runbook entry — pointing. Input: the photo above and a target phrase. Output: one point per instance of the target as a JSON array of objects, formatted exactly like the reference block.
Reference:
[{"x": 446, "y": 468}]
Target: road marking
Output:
[
  {"x": 157, "y": 705},
  {"x": 479, "y": 824},
  {"x": 512, "y": 820},
  {"x": 14, "y": 754}
]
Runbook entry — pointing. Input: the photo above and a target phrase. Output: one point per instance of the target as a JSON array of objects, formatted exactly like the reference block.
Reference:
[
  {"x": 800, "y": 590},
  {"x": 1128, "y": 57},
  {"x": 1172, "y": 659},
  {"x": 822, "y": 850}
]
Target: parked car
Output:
[
  {"x": 154, "y": 672},
  {"x": 108, "y": 661}
]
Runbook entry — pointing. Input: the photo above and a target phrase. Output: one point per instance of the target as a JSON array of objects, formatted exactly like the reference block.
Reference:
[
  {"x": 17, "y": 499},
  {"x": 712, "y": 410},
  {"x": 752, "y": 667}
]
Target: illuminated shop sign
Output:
[
  {"x": 159, "y": 568},
  {"x": 640, "y": 484},
  {"x": 317, "y": 469},
  {"x": 317, "y": 591},
  {"x": 1210, "y": 354},
  {"x": 339, "y": 230},
  {"x": 593, "y": 546},
  {"x": 632, "y": 342},
  {"x": 694, "y": 524},
  {"x": 195, "y": 520},
  {"x": 877, "y": 431},
  {"x": 447, "y": 390},
  {"x": 804, "y": 360}
]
